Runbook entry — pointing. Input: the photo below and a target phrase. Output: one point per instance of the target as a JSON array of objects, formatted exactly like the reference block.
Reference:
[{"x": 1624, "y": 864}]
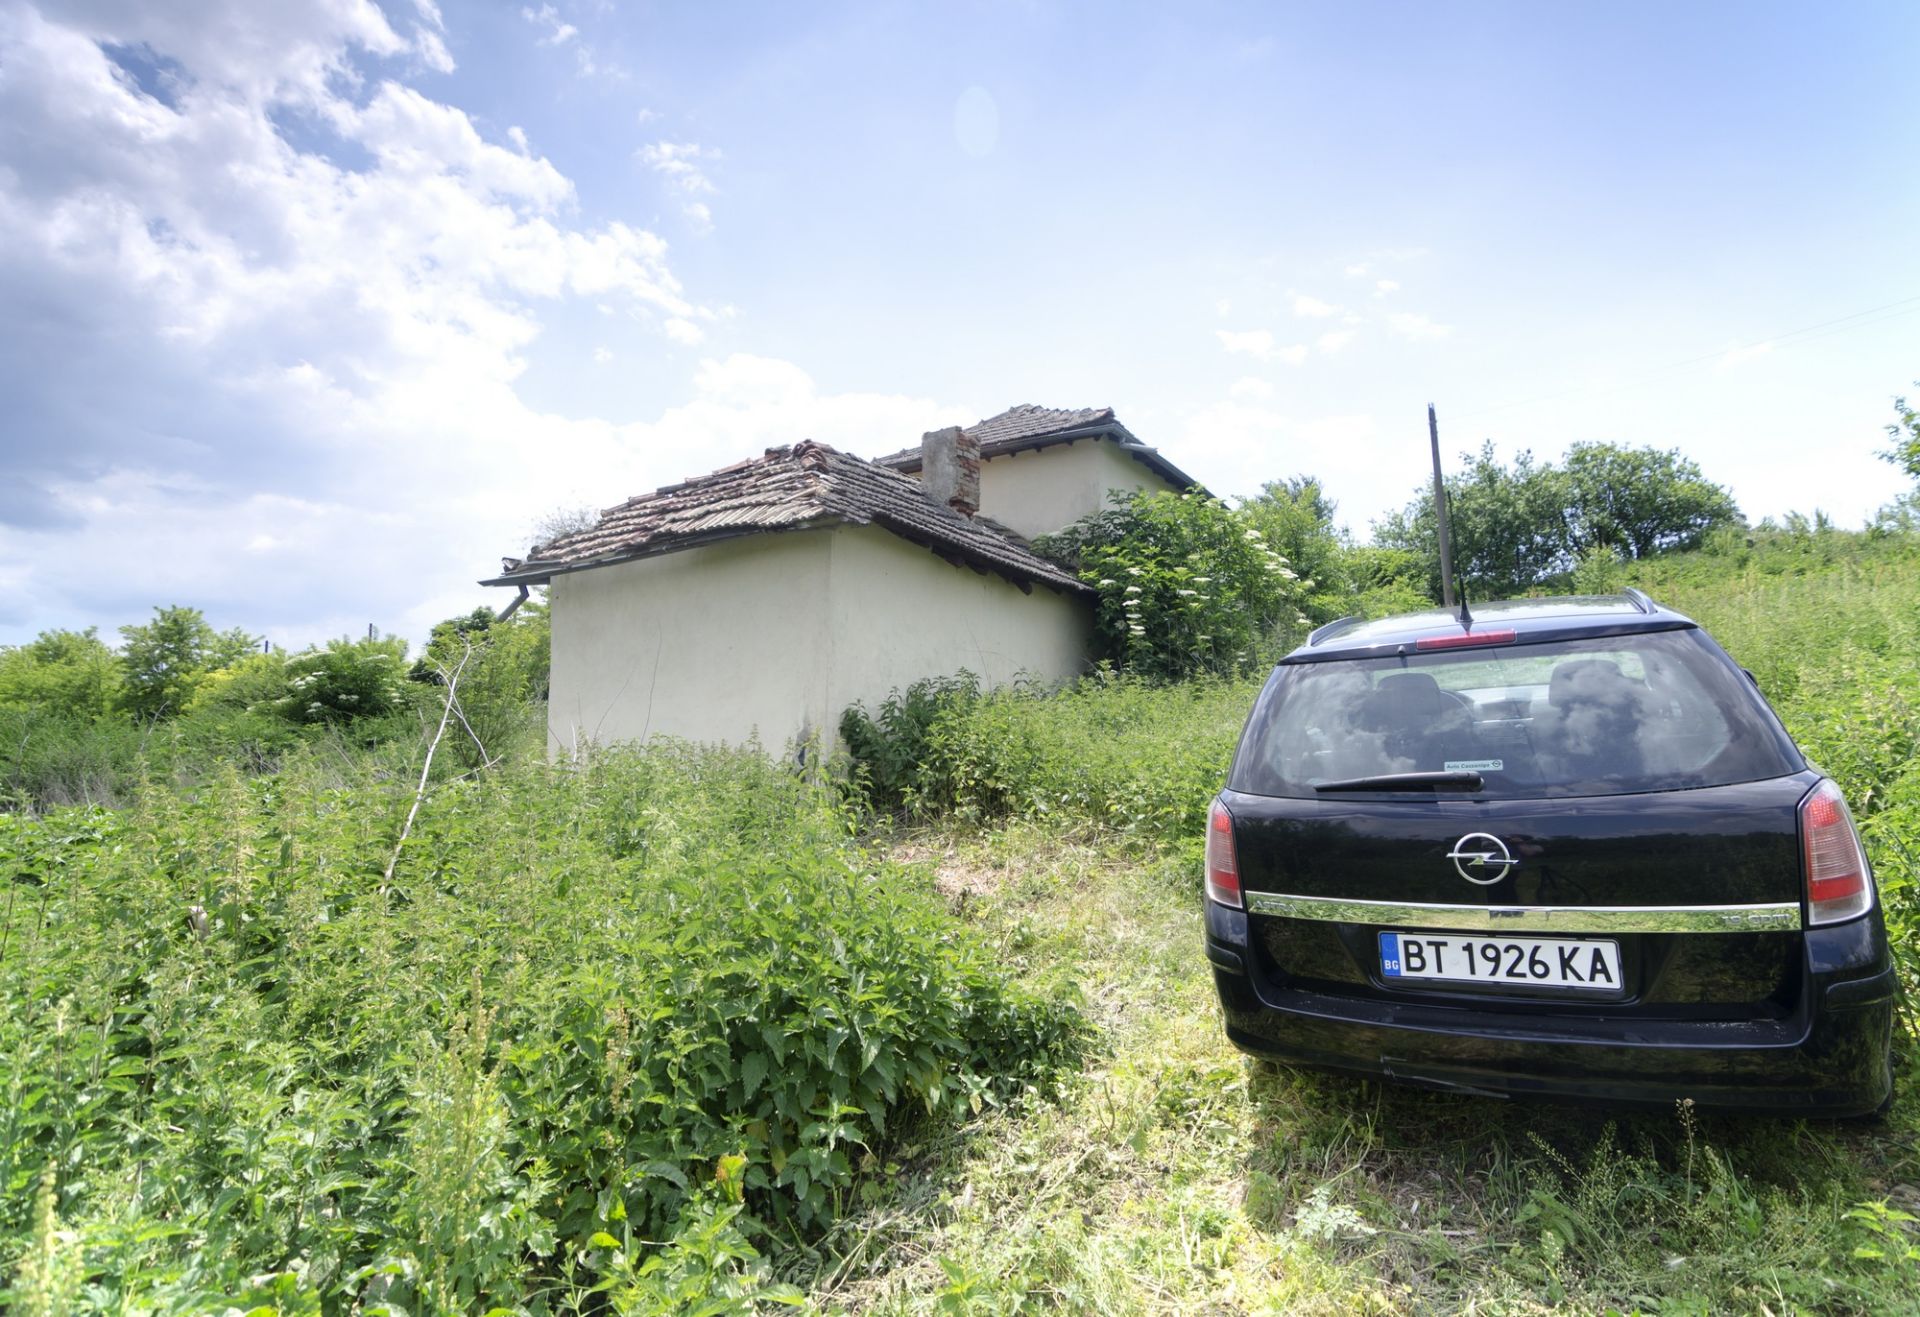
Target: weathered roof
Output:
[
  {"x": 791, "y": 488},
  {"x": 1027, "y": 427}
]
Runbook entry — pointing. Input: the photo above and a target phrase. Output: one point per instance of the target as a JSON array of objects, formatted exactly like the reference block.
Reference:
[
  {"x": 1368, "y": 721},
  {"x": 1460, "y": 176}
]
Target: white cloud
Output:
[
  {"x": 1359, "y": 271},
  {"x": 602, "y": 355},
  {"x": 315, "y": 363},
  {"x": 1416, "y": 327},
  {"x": 743, "y": 404},
  {"x": 1312, "y": 307},
  {"x": 1259, "y": 344},
  {"x": 1250, "y": 386},
  {"x": 646, "y": 116},
  {"x": 1382, "y": 287},
  {"x": 1332, "y": 341},
  {"x": 679, "y": 163},
  {"x": 1223, "y": 307},
  {"x": 558, "y": 31}
]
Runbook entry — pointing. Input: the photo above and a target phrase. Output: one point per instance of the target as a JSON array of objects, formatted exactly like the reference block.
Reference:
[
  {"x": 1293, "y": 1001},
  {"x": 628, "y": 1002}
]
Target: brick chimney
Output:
[{"x": 950, "y": 469}]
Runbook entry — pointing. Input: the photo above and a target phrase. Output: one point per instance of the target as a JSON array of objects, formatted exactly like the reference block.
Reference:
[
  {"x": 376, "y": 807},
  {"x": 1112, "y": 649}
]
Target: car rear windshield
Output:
[{"x": 1656, "y": 711}]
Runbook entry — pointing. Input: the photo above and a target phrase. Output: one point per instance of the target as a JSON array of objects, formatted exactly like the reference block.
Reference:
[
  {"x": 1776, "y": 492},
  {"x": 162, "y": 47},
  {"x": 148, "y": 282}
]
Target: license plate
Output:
[{"x": 1508, "y": 962}]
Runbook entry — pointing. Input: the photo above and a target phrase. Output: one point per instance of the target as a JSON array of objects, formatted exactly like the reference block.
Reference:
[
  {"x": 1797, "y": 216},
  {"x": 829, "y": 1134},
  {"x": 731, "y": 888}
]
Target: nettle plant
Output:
[{"x": 1186, "y": 584}]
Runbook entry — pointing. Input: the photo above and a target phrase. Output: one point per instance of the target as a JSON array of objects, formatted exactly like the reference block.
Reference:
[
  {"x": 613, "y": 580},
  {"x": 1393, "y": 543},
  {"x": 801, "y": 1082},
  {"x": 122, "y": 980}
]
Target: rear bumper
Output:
[{"x": 1830, "y": 1058}]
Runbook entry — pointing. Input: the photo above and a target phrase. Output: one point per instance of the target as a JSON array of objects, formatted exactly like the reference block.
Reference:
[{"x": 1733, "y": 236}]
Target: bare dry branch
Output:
[{"x": 420, "y": 792}]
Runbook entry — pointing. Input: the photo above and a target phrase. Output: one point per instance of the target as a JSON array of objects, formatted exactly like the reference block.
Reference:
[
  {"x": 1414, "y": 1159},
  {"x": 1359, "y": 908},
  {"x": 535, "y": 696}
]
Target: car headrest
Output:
[
  {"x": 1404, "y": 699},
  {"x": 1590, "y": 681}
]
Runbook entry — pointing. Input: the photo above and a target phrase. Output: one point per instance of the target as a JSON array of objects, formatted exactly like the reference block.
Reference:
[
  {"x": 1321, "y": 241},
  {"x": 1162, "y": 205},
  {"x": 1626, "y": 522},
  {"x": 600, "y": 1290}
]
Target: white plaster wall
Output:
[
  {"x": 1045, "y": 490},
  {"x": 718, "y": 643},
  {"x": 899, "y": 613}
]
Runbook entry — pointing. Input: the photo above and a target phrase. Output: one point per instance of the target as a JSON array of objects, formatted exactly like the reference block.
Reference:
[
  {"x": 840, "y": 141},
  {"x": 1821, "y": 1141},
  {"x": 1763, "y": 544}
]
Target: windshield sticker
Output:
[{"x": 1475, "y": 765}]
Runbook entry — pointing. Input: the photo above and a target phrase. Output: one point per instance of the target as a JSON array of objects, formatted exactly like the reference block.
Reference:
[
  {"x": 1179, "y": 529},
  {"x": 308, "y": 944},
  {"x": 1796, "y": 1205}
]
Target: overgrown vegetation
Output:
[
  {"x": 1185, "y": 585},
  {"x": 1174, "y": 1176},
  {"x": 678, "y": 1030},
  {"x": 1100, "y": 752},
  {"x": 82, "y": 723},
  {"x": 656, "y": 997}
]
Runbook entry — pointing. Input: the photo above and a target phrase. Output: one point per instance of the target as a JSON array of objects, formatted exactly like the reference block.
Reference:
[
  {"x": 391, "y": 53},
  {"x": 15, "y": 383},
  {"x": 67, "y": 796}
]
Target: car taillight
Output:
[
  {"x": 1223, "y": 871},
  {"x": 1836, "y": 868}
]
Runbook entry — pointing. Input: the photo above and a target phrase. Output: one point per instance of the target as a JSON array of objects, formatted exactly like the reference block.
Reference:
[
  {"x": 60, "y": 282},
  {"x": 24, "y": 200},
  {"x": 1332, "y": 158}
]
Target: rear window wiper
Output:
[{"x": 1456, "y": 780}]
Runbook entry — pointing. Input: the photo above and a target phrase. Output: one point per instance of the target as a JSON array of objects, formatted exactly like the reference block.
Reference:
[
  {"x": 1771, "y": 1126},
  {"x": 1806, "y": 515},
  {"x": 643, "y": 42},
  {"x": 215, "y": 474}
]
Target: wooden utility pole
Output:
[{"x": 1440, "y": 513}]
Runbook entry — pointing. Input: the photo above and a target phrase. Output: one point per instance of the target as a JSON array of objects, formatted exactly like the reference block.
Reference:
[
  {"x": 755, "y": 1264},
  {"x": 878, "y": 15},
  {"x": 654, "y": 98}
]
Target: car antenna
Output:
[{"x": 1440, "y": 518}]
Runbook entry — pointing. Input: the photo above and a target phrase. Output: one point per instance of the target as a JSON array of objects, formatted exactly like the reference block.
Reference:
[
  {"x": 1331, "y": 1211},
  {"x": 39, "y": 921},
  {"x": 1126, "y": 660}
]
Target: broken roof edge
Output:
[
  {"x": 907, "y": 461},
  {"x": 534, "y": 572}
]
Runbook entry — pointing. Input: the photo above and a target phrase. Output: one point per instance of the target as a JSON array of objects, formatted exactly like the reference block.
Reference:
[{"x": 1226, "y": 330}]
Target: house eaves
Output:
[{"x": 802, "y": 487}]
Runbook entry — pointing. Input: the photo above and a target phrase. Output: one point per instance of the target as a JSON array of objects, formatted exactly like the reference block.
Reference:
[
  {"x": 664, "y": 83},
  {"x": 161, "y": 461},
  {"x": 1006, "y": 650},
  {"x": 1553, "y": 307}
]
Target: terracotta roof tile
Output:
[{"x": 807, "y": 484}]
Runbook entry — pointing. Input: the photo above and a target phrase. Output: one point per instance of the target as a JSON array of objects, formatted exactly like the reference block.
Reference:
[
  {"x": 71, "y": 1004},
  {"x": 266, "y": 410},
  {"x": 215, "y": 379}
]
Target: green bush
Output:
[
  {"x": 1184, "y": 584},
  {"x": 503, "y": 669},
  {"x": 890, "y": 748},
  {"x": 349, "y": 679},
  {"x": 1113, "y": 750},
  {"x": 262, "y": 1075}
]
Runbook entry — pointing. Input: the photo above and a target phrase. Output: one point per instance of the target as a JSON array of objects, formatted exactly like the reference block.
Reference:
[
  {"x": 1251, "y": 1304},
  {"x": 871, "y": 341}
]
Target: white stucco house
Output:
[{"x": 759, "y": 602}]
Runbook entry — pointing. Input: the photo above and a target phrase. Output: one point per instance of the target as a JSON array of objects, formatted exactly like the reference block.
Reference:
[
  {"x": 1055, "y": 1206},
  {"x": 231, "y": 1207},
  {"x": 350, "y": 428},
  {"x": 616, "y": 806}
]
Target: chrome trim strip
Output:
[{"x": 1533, "y": 918}]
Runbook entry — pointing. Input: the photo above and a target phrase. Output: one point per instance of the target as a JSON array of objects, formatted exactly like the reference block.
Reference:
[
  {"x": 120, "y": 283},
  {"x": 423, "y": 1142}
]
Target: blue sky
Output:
[{"x": 314, "y": 310}]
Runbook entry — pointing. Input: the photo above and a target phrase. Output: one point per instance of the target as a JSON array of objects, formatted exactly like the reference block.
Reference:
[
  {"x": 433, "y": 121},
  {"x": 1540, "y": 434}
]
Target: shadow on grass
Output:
[{"x": 1462, "y": 1199}]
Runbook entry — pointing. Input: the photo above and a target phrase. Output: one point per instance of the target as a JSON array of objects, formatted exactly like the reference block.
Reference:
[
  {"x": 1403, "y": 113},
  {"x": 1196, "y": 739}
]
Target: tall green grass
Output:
[
  {"x": 1114, "y": 751},
  {"x": 1829, "y": 624},
  {"x": 1174, "y": 1176},
  {"x": 611, "y": 1029}
]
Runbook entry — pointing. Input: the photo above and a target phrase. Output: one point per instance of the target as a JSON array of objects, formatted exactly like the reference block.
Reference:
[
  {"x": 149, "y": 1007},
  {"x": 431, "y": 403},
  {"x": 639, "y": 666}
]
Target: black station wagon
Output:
[{"x": 1558, "y": 847}]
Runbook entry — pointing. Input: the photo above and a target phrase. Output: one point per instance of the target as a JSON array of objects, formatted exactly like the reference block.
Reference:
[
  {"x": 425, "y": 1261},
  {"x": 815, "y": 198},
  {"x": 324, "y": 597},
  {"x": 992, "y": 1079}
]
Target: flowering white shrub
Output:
[{"x": 1203, "y": 590}]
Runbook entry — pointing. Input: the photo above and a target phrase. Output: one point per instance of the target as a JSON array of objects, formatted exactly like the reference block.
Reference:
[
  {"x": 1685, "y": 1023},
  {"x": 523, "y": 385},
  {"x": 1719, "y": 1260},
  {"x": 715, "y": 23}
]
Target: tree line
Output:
[{"x": 80, "y": 719}]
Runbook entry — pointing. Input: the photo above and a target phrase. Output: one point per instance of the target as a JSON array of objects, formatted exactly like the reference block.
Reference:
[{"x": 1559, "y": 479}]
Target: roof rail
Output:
[
  {"x": 1320, "y": 633},
  {"x": 1640, "y": 600}
]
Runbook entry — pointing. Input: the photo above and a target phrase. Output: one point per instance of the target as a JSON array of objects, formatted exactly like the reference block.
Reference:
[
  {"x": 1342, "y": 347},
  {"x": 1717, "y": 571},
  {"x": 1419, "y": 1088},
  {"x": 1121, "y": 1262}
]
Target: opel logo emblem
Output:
[{"x": 1481, "y": 858}]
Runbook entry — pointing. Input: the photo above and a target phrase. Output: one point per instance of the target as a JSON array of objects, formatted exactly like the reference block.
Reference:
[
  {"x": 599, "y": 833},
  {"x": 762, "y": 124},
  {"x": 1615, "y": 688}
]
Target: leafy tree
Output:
[
  {"x": 1386, "y": 581},
  {"x": 1295, "y": 516},
  {"x": 1905, "y": 434},
  {"x": 1639, "y": 501},
  {"x": 1521, "y": 527},
  {"x": 163, "y": 661},
  {"x": 503, "y": 688},
  {"x": 66, "y": 672},
  {"x": 445, "y": 641},
  {"x": 1510, "y": 527},
  {"x": 256, "y": 682},
  {"x": 1185, "y": 584}
]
